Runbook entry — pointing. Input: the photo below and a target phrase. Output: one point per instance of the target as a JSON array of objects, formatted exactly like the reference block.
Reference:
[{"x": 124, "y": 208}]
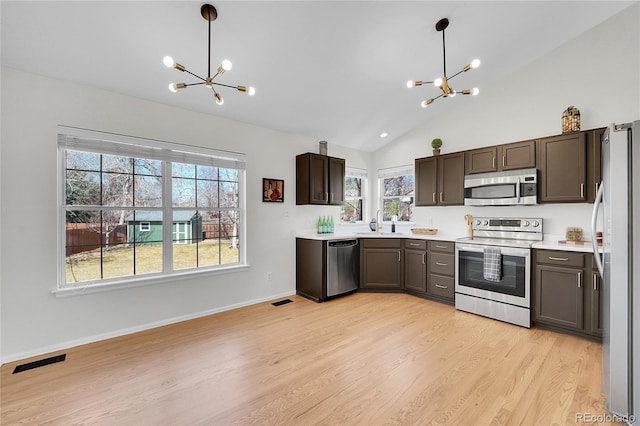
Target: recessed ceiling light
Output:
[{"x": 384, "y": 134}]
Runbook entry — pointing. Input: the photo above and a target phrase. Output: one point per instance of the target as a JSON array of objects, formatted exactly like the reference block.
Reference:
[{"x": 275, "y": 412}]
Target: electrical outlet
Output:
[{"x": 268, "y": 276}]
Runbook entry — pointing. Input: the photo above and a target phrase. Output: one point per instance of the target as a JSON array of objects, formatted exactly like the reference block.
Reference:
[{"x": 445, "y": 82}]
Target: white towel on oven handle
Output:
[{"x": 492, "y": 268}]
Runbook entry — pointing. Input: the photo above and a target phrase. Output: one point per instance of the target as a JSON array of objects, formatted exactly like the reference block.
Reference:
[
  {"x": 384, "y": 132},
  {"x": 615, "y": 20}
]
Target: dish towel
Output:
[{"x": 492, "y": 269}]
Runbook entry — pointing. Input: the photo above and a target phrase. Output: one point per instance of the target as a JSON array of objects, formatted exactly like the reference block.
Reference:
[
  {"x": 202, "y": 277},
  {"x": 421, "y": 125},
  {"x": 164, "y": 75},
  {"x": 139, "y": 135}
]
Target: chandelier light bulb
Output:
[
  {"x": 474, "y": 91},
  {"x": 475, "y": 63},
  {"x": 437, "y": 82},
  {"x": 411, "y": 84},
  {"x": 173, "y": 87},
  {"x": 226, "y": 65},
  {"x": 252, "y": 90},
  {"x": 168, "y": 62},
  {"x": 452, "y": 93},
  {"x": 219, "y": 99}
]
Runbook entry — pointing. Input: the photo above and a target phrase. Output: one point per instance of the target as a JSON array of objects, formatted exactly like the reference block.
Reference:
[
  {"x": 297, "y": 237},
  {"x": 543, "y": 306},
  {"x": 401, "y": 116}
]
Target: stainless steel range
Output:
[{"x": 493, "y": 269}]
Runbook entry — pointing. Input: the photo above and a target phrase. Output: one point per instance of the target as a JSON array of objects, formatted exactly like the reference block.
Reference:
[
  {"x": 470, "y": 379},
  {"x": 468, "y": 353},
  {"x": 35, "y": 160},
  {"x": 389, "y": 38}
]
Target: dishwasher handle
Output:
[{"x": 343, "y": 243}]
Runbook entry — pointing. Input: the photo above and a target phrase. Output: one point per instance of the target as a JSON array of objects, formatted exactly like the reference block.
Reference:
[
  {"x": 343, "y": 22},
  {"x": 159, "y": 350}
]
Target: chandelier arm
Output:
[
  {"x": 458, "y": 73},
  {"x": 444, "y": 56},
  {"x": 209, "y": 47},
  {"x": 225, "y": 85},
  {"x": 195, "y": 75},
  {"x": 193, "y": 84}
]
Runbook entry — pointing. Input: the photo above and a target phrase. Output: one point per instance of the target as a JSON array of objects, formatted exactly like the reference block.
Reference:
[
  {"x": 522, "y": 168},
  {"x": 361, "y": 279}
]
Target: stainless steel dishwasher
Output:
[{"x": 342, "y": 266}]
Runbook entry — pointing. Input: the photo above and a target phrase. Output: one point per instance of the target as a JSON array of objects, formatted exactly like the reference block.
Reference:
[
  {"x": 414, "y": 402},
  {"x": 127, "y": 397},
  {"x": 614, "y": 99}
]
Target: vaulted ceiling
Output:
[{"x": 327, "y": 70}]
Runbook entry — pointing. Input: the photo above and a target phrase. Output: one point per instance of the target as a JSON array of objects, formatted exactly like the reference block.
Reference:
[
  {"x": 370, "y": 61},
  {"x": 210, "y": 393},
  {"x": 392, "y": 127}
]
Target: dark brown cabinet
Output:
[
  {"x": 594, "y": 162},
  {"x": 415, "y": 266},
  {"x": 567, "y": 292},
  {"x": 311, "y": 273},
  {"x": 441, "y": 271},
  {"x": 319, "y": 179},
  {"x": 439, "y": 180},
  {"x": 563, "y": 168},
  {"x": 512, "y": 156},
  {"x": 381, "y": 264}
]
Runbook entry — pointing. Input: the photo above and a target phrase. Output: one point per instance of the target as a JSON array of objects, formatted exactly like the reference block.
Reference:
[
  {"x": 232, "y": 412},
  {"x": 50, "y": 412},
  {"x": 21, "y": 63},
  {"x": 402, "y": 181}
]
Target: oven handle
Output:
[{"x": 479, "y": 248}]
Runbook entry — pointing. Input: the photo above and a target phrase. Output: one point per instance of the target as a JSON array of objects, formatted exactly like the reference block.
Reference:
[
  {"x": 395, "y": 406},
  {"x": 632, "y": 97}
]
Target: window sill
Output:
[{"x": 79, "y": 290}]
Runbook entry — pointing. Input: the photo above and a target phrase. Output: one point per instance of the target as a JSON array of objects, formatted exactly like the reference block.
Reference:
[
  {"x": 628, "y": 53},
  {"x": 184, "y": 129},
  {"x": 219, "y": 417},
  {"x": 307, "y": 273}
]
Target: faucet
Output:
[{"x": 378, "y": 217}]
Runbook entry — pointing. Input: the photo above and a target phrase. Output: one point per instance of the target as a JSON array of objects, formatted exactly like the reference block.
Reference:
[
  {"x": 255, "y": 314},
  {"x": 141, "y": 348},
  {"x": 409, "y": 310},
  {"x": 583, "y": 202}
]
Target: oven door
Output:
[{"x": 514, "y": 286}]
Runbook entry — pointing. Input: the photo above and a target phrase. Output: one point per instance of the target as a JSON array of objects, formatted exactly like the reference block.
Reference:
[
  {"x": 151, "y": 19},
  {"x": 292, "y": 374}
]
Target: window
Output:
[
  {"x": 136, "y": 209},
  {"x": 396, "y": 193},
  {"x": 355, "y": 187}
]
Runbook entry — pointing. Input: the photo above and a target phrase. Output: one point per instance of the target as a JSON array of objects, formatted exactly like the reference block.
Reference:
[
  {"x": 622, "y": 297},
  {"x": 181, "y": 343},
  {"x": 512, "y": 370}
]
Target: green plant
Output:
[{"x": 436, "y": 143}]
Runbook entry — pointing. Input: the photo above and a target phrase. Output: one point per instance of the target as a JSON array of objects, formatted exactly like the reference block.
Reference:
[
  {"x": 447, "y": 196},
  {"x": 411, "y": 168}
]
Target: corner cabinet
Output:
[
  {"x": 567, "y": 293},
  {"x": 439, "y": 180},
  {"x": 319, "y": 179},
  {"x": 381, "y": 264}
]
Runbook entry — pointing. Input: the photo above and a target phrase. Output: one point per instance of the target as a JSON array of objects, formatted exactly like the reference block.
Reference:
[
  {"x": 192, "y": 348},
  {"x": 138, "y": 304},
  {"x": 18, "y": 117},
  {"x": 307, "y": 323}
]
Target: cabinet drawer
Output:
[
  {"x": 440, "y": 263},
  {"x": 415, "y": 244},
  {"x": 558, "y": 257},
  {"x": 441, "y": 286},
  {"x": 381, "y": 242},
  {"x": 443, "y": 246}
]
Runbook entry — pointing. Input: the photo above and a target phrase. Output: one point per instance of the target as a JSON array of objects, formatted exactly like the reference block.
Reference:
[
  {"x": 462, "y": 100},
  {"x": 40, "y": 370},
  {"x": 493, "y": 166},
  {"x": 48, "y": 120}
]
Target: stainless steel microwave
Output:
[{"x": 510, "y": 188}]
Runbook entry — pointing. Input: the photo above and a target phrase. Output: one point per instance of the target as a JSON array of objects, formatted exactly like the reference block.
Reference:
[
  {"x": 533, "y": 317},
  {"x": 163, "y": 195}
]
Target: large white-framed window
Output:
[
  {"x": 139, "y": 210},
  {"x": 396, "y": 189},
  {"x": 355, "y": 188}
]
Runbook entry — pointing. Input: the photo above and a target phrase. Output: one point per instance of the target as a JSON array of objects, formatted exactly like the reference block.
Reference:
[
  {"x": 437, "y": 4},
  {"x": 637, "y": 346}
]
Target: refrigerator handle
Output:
[{"x": 594, "y": 220}]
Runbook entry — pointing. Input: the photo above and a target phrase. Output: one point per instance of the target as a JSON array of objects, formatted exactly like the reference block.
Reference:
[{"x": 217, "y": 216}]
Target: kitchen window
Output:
[
  {"x": 355, "y": 182},
  {"x": 396, "y": 189},
  {"x": 139, "y": 210}
]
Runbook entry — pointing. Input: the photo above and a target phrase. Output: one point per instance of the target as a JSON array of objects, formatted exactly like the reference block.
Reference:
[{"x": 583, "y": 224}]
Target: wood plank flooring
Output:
[{"x": 363, "y": 359}]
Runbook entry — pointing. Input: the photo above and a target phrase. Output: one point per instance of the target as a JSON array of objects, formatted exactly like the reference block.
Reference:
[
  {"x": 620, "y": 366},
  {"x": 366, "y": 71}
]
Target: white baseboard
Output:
[{"x": 123, "y": 332}]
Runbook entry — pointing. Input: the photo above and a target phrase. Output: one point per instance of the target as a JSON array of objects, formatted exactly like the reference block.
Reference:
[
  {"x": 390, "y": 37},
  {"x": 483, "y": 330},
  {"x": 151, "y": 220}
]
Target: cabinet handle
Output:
[
  {"x": 443, "y": 247},
  {"x": 441, "y": 264},
  {"x": 596, "y": 188},
  {"x": 434, "y": 198},
  {"x": 424, "y": 258},
  {"x": 441, "y": 286},
  {"x": 441, "y": 200},
  {"x": 398, "y": 255},
  {"x": 332, "y": 197},
  {"x": 563, "y": 259},
  {"x": 595, "y": 282},
  {"x": 326, "y": 196},
  {"x": 582, "y": 190},
  {"x": 414, "y": 244},
  {"x": 504, "y": 161},
  {"x": 493, "y": 162},
  {"x": 579, "y": 279}
]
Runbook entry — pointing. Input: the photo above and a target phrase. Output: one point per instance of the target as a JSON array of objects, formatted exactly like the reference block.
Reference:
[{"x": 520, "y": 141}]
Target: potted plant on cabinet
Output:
[{"x": 436, "y": 144}]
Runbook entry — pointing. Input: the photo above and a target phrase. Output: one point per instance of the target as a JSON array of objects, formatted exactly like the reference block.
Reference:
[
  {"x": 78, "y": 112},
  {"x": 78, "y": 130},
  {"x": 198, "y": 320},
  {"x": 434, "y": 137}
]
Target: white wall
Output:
[
  {"x": 598, "y": 72},
  {"x": 34, "y": 320}
]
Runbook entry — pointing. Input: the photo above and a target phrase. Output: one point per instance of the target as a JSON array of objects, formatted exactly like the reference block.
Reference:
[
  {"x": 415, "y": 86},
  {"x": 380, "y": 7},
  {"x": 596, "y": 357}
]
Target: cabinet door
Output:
[
  {"x": 382, "y": 268},
  {"x": 518, "y": 155},
  {"x": 311, "y": 268},
  {"x": 481, "y": 160},
  {"x": 562, "y": 168},
  {"x": 451, "y": 179},
  {"x": 336, "y": 180},
  {"x": 441, "y": 286},
  {"x": 594, "y": 162},
  {"x": 559, "y": 296},
  {"x": 318, "y": 179},
  {"x": 415, "y": 270},
  {"x": 426, "y": 181}
]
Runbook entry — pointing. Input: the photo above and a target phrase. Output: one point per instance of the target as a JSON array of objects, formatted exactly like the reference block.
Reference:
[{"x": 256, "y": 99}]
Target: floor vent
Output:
[
  {"x": 39, "y": 363},
  {"x": 282, "y": 302}
]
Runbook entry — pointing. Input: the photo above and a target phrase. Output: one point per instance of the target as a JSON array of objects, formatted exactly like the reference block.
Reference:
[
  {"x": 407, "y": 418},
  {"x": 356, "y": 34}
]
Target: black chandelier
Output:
[
  {"x": 209, "y": 13},
  {"x": 443, "y": 83}
]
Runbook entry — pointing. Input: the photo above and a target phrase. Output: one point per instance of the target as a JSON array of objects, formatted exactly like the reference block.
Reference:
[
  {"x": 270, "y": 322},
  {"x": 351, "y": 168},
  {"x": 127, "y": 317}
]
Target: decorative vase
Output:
[{"x": 436, "y": 151}]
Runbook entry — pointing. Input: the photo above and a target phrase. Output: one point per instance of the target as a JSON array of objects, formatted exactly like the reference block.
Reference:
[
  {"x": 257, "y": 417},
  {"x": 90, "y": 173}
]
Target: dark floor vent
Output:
[
  {"x": 39, "y": 363},
  {"x": 282, "y": 302}
]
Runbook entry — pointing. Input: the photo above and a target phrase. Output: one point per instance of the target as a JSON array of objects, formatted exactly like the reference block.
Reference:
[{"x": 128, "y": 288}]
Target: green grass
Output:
[{"x": 119, "y": 261}]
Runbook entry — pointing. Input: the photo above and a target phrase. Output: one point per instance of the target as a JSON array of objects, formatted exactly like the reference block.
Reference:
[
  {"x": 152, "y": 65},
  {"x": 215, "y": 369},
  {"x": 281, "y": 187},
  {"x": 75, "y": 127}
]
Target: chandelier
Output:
[
  {"x": 443, "y": 83},
  {"x": 209, "y": 13}
]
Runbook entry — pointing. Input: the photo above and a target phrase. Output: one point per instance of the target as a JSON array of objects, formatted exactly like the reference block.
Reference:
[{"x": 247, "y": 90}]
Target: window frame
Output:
[
  {"x": 75, "y": 139},
  {"x": 146, "y": 227},
  {"x": 363, "y": 175},
  {"x": 408, "y": 170}
]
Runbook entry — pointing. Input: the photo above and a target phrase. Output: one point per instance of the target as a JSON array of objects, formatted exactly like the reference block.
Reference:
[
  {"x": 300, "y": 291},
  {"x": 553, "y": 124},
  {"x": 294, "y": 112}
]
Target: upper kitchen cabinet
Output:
[
  {"x": 562, "y": 164},
  {"x": 512, "y": 156},
  {"x": 319, "y": 179},
  {"x": 440, "y": 180},
  {"x": 594, "y": 162}
]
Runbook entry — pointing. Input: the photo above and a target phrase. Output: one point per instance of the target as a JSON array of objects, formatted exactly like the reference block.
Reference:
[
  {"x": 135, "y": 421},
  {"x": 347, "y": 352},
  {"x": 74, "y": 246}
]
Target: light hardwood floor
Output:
[{"x": 367, "y": 359}]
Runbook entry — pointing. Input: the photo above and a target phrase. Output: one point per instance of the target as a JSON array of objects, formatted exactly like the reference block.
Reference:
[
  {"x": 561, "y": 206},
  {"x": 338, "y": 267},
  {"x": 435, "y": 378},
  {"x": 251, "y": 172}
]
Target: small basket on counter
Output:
[
  {"x": 424, "y": 231},
  {"x": 570, "y": 120}
]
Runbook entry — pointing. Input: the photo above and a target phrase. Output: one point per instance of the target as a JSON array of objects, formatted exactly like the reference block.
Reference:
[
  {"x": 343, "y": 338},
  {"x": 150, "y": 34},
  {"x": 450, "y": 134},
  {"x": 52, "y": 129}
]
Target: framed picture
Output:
[{"x": 272, "y": 190}]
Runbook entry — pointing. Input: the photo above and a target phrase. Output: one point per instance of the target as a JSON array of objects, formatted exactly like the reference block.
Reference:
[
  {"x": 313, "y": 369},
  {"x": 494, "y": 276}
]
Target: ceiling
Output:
[{"x": 327, "y": 70}]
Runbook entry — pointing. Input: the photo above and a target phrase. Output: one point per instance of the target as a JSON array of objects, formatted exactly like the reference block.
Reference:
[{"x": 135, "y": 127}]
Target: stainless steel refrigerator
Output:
[{"x": 618, "y": 201}]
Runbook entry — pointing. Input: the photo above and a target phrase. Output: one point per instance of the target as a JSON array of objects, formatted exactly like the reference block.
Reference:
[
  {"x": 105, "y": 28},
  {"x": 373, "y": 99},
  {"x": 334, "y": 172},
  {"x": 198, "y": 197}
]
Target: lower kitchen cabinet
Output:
[
  {"x": 441, "y": 271},
  {"x": 415, "y": 266},
  {"x": 311, "y": 271},
  {"x": 566, "y": 292},
  {"x": 381, "y": 264}
]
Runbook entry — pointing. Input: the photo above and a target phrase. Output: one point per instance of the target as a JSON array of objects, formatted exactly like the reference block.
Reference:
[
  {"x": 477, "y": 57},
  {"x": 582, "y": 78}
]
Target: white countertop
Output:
[{"x": 402, "y": 235}]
